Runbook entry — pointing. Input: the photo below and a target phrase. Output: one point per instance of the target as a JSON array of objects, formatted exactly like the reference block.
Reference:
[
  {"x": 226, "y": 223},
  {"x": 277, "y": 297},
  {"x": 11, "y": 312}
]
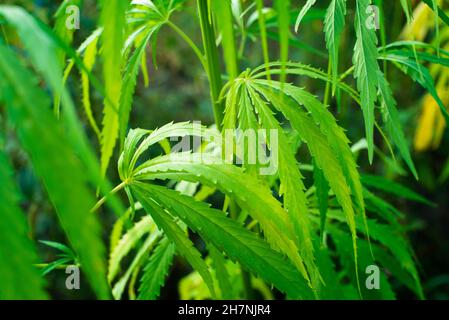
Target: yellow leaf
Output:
[{"x": 431, "y": 125}]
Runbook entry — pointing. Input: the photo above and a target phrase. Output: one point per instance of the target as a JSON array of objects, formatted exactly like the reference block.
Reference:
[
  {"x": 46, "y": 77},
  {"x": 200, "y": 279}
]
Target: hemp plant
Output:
[{"x": 271, "y": 235}]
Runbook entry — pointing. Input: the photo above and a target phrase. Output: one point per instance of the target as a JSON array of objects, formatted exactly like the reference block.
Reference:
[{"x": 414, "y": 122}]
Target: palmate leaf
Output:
[
  {"x": 19, "y": 279},
  {"x": 366, "y": 69},
  {"x": 235, "y": 183},
  {"x": 333, "y": 27},
  {"x": 321, "y": 151},
  {"x": 156, "y": 270},
  {"x": 227, "y": 235},
  {"x": 229, "y": 179},
  {"x": 50, "y": 151},
  {"x": 171, "y": 229},
  {"x": 113, "y": 23},
  {"x": 335, "y": 135}
]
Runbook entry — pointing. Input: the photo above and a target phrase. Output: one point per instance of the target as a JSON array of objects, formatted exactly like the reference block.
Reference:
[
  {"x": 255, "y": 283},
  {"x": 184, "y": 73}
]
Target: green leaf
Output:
[
  {"x": 334, "y": 134},
  {"x": 321, "y": 151},
  {"x": 222, "y": 10},
  {"x": 41, "y": 45},
  {"x": 52, "y": 158},
  {"x": 139, "y": 259},
  {"x": 65, "y": 34},
  {"x": 366, "y": 69},
  {"x": 342, "y": 242},
  {"x": 303, "y": 12},
  {"x": 113, "y": 23},
  {"x": 19, "y": 279},
  {"x": 89, "y": 61},
  {"x": 393, "y": 123},
  {"x": 221, "y": 272},
  {"x": 171, "y": 229},
  {"x": 263, "y": 33},
  {"x": 126, "y": 243},
  {"x": 421, "y": 75},
  {"x": 59, "y": 246},
  {"x": 283, "y": 11},
  {"x": 156, "y": 270},
  {"x": 394, "y": 188},
  {"x": 322, "y": 194},
  {"x": 238, "y": 243},
  {"x": 232, "y": 181},
  {"x": 333, "y": 27},
  {"x": 130, "y": 79},
  {"x": 292, "y": 187}
]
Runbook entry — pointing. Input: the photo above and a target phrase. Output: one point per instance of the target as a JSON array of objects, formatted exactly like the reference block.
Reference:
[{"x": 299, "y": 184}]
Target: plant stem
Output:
[
  {"x": 189, "y": 41},
  {"x": 103, "y": 200},
  {"x": 213, "y": 66},
  {"x": 328, "y": 84}
]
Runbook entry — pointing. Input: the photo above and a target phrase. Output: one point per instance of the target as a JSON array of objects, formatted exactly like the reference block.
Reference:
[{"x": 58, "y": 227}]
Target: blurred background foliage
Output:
[{"x": 178, "y": 91}]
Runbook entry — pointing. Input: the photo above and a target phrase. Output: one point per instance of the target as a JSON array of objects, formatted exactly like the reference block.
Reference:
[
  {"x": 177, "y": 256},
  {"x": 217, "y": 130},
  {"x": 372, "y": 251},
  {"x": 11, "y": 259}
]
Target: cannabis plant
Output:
[{"x": 300, "y": 221}]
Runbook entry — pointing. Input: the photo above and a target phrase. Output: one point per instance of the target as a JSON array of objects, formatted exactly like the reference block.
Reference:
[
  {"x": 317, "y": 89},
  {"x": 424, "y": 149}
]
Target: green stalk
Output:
[{"x": 212, "y": 63}]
